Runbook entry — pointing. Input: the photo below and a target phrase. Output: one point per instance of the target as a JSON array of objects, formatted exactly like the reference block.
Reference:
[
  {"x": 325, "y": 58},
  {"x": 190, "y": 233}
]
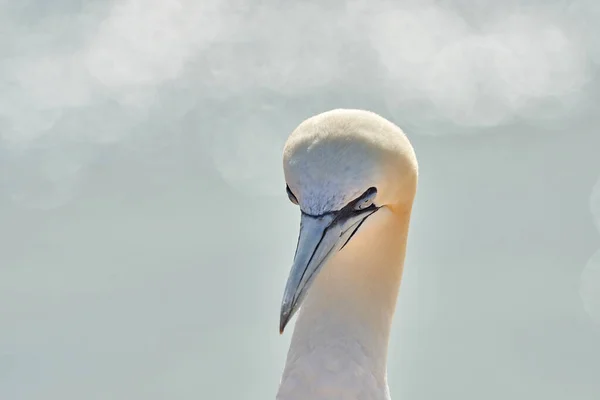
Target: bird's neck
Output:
[{"x": 340, "y": 341}]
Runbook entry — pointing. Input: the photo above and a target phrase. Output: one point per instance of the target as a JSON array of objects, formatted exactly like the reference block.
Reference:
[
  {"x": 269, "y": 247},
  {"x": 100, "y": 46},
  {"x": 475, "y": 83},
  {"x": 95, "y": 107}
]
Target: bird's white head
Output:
[{"x": 341, "y": 168}]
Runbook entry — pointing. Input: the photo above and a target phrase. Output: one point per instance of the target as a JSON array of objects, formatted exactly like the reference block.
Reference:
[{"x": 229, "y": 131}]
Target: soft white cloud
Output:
[
  {"x": 144, "y": 43},
  {"x": 478, "y": 76},
  {"x": 96, "y": 73},
  {"x": 583, "y": 16},
  {"x": 290, "y": 49}
]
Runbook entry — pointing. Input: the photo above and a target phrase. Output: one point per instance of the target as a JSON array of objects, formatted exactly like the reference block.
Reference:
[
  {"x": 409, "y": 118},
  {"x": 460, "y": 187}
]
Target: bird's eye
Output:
[
  {"x": 293, "y": 198},
  {"x": 366, "y": 200}
]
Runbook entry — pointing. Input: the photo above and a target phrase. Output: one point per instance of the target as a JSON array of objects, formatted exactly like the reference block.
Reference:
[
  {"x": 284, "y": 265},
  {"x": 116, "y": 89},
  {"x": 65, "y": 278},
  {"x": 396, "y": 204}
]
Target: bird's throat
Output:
[{"x": 344, "y": 324}]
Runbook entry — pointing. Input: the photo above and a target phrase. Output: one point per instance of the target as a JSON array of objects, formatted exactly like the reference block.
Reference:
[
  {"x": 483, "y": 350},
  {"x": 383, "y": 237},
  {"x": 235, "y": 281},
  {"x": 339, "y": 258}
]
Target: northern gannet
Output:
[{"x": 353, "y": 175}]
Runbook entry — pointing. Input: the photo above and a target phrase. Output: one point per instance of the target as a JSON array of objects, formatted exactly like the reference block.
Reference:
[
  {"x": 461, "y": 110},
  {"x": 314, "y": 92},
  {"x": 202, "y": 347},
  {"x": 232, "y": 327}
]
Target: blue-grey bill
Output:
[{"x": 319, "y": 239}]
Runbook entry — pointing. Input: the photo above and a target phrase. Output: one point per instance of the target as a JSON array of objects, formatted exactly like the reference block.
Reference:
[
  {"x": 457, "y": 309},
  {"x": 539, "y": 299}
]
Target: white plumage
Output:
[{"x": 354, "y": 176}]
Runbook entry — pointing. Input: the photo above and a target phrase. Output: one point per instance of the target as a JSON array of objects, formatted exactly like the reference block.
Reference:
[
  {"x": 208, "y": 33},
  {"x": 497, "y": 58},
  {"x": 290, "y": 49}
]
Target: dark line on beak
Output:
[
  {"x": 353, "y": 232},
  {"x": 315, "y": 270},
  {"x": 358, "y": 226},
  {"x": 309, "y": 260}
]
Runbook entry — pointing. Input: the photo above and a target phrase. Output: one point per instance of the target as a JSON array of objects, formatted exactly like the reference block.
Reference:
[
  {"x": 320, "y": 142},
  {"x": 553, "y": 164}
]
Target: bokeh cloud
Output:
[
  {"x": 94, "y": 74},
  {"x": 504, "y": 68}
]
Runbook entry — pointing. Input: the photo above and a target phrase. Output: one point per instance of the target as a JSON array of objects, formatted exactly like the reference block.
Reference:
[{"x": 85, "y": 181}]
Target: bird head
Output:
[{"x": 341, "y": 168}]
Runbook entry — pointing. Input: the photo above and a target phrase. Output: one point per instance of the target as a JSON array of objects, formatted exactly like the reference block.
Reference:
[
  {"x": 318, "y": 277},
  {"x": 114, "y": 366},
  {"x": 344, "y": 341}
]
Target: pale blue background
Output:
[{"x": 145, "y": 234}]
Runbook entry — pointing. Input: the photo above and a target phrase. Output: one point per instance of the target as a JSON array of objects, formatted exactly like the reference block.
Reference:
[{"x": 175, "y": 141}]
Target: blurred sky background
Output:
[{"x": 145, "y": 233}]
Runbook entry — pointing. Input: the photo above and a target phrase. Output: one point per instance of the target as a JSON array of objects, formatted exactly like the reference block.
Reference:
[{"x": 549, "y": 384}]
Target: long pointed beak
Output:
[{"x": 320, "y": 238}]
